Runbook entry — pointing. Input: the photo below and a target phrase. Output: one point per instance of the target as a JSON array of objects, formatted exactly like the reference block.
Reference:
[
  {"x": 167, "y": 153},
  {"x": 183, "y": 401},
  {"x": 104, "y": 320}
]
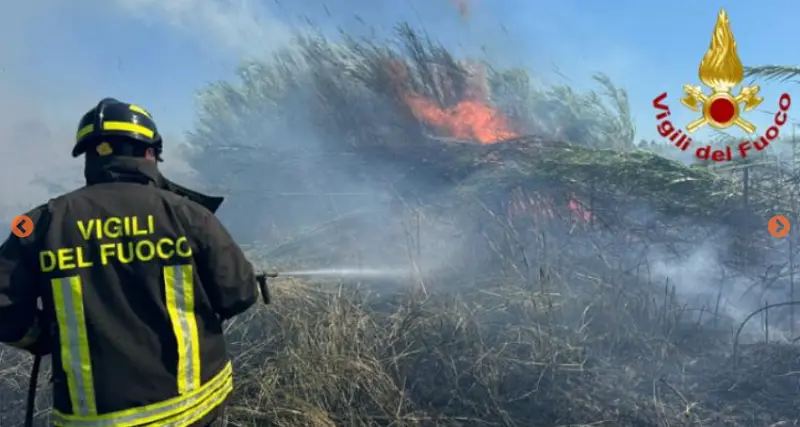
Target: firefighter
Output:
[{"x": 127, "y": 284}]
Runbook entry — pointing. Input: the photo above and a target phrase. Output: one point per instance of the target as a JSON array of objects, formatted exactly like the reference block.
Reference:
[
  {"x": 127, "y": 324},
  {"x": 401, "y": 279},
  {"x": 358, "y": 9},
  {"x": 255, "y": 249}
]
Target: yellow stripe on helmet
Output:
[
  {"x": 140, "y": 110},
  {"x": 116, "y": 126},
  {"x": 129, "y": 127},
  {"x": 84, "y": 131}
]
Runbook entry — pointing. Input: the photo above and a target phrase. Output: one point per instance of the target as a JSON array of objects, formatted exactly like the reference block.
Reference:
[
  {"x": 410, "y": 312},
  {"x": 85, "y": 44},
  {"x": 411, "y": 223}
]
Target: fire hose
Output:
[{"x": 30, "y": 408}]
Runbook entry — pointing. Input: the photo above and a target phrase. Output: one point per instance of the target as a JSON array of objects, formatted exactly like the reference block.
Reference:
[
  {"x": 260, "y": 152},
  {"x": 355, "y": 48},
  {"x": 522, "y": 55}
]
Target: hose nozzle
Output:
[{"x": 261, "y": 278}]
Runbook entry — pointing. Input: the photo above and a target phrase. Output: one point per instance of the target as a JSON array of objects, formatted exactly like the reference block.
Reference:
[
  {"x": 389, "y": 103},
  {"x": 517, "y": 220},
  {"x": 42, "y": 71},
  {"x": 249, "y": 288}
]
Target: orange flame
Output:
[
  {"x": 524, "y": 203},
  {"x": 468, "y": 120},
  {"x": 463, "y": 8},
  {"x": 579, "y": 212}
]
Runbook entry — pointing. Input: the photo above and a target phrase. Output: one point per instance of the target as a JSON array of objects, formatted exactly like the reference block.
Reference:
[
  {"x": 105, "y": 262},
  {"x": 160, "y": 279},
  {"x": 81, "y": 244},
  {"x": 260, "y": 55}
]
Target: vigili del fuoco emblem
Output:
[{"x": 721, "y": 70}]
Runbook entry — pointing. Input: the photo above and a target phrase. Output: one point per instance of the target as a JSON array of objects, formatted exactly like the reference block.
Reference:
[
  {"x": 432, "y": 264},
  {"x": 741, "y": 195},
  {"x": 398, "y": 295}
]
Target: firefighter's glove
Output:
[
  {"x": 37, "y": 340},
  {"x": 42, "y": 346}
]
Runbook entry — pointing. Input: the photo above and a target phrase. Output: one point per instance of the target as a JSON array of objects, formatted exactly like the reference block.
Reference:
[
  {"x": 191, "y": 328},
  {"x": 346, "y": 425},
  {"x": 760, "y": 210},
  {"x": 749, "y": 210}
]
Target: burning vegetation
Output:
[
  {"x": 548, "y": 317},
  {"x": 468, "y": 120},
  {"x": 463, "y": 8},
  {"x": 469, "y": 117},
  {"x": 466, "y": 116}
]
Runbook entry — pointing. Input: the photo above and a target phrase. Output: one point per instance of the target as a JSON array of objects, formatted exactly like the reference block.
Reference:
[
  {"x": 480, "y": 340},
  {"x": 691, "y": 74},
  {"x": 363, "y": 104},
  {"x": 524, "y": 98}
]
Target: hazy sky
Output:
[{"x": 59, "y": 58}]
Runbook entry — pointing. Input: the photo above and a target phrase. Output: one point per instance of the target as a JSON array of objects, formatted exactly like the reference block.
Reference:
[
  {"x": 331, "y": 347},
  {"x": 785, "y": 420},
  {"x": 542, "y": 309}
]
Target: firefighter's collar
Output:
[
  {"x": 133, "y": 169},
  {"x": 122, "y": 168}
]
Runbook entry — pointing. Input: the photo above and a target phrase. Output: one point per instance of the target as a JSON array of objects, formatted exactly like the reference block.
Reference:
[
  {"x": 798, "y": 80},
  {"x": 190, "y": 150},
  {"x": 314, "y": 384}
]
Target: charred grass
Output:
[
  {"x": 545, "y": 348},
  {"x": 536, "y": 354}
]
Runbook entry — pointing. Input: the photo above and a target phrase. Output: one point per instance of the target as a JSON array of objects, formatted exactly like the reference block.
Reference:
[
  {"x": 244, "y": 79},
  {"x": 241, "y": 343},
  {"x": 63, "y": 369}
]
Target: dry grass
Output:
[
  {"x": 575, "y": 343},
  {"x": 536, "y": 354},
  {"x": 592, "y": 347},
  {"x": 526, "y": 355}
]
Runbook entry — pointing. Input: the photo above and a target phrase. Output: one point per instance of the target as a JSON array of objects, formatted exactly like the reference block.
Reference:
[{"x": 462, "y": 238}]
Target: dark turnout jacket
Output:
[{"x": 135, "y": 282}]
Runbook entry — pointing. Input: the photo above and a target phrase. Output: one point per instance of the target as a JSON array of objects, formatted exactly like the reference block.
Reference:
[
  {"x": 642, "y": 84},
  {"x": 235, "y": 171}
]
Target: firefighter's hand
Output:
[{"x": 41, "y": 347}]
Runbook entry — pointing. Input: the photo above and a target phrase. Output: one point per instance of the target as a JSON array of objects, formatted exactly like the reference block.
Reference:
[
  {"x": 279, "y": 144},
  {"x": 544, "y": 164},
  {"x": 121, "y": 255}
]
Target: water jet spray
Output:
[
  {"x": 342, "y": 272},
  {"x": 374, "y": 273}
]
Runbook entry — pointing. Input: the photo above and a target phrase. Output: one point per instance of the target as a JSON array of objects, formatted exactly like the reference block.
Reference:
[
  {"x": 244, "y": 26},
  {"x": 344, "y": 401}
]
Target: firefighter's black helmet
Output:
[{"x": 115, "y": 120}]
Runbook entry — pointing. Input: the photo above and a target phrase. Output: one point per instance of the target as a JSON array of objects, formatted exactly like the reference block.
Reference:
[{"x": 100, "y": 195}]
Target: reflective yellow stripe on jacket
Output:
[
  {"x": 179, "y": 291},
  {"x": 194, "y": 400},
  {"x": 178, "y": 411},
  {"x": 75, "y": 360}
]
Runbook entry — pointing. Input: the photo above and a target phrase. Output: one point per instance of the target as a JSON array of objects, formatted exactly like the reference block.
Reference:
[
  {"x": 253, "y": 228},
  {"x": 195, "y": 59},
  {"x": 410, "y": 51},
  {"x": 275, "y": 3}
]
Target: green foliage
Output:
[
  {"x": 293, "y": 124},
  {"x": 578, "y": 345},
  {"x": 773, "y": 72},
  {"x": 345, "y": 94}
]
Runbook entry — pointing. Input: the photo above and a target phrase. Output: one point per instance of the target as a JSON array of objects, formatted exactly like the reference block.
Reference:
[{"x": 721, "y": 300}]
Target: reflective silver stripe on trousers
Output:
[
  {"x": 160, "y": 413},
  {"x": 190, "y": 417},
  {"x": 75, "y": 358},
  {"x": 179, "y": 292}
]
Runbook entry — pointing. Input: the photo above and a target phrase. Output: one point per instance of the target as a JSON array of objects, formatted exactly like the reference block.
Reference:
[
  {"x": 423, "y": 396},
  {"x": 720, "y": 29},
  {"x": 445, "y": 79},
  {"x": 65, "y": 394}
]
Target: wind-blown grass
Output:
[
  {"x": 502, "y": 355},
  {"x": 552, "y": 328}
]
